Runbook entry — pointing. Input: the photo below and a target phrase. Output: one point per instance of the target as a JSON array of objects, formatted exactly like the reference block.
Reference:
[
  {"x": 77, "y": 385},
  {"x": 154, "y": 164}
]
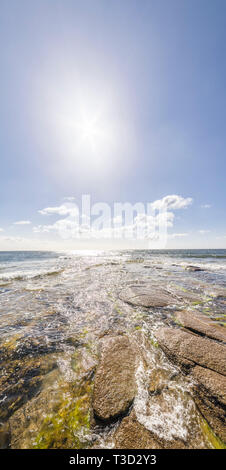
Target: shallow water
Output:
[{"x": 55, "y": 307}]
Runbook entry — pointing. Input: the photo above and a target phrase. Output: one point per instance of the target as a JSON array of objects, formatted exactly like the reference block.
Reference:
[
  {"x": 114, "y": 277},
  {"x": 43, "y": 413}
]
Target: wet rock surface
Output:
[
  {"x": 158, "y": 380},
  {"x": 147, "y": 296},
  {"x": 132, "y": 435},
  {"x": 20, "y": 381},
  {"x": 190, "y": 350},
  {"x": 81, "y": 366},
  {"x": 114, "y": 384},
  {"x": 210, "y": 397},
  {"x": 206, "y": 359},
  {"x": 4, "y": 436},
  {"x": 186, "y": 296},
  {"x": 202, "y": 325},
  {"x": 193, "y": 268}
]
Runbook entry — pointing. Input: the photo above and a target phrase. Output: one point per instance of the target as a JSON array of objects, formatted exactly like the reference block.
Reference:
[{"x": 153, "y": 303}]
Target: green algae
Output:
[
  {"x": 10, "y": 344},
  {"x": 118, "y": 310},
  {"x": 214, "y": 440},
  {"x": 221, "y": 318},
  {"x": 154, "y": 342},
  {"x": 183, "y": 289},
  {"x": 206, "y": 309},
  {"x": 66, "y": 428},
  {"x": 83, "y": 361},
  {"x": 69, "y": 426},
  {"x": 94, "y": 266},
  {"x": 138, "y": 260},
  {"x": 178, "y": 322}
]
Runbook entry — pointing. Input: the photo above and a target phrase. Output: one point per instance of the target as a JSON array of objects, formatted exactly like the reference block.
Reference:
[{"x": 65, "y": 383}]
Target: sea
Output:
[{"x": 55, "y": 307}]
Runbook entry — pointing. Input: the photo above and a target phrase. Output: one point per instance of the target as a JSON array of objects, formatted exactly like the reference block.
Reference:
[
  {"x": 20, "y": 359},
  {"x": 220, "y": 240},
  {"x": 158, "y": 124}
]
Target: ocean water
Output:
[{"x": 54, "y": 304}]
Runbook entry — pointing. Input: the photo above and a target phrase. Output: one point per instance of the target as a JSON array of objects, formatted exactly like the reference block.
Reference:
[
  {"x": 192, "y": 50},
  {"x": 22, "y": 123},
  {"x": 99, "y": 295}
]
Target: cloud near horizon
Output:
[
  {"x": 22, "y": 222},
  {"x": 206, "y": 206},
  {"x": 73, "y": 224}
]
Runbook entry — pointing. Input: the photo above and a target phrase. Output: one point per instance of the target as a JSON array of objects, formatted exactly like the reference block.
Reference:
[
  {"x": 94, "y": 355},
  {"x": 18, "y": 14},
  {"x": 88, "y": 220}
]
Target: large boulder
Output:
[
  {"x": 190, "y": 350},
  {"x": 146, "y": 296},
  {"x": 115, "y": 384},
  {"x": 202, "y": 325}
]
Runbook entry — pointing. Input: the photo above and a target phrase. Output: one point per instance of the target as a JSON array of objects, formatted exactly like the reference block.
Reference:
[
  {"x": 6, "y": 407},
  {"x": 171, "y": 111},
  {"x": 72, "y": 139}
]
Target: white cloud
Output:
[
  {"x": 178, "y": 235},
  {"x": 204, "y": 231},
  {"x": 206, "y": 206},
  {"x": 64, "y": 209},
  {"x": 69, "y": 226},
  {"x": 69, "y": 198},
  {"x": 1, "y": 230},
  {"x": 22, "y": 222},
  {"x": 172, "y": 202},
  {"x": 13, "y": 239}
]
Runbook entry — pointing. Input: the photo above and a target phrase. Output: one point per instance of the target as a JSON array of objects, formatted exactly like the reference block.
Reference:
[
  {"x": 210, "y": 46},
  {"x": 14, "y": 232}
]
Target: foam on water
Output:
[{"x": 168, "y": 419}]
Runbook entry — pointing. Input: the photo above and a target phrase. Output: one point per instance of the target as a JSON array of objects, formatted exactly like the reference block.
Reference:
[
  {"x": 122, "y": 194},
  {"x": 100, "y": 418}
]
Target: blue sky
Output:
[{"x": 122, "y": 100}]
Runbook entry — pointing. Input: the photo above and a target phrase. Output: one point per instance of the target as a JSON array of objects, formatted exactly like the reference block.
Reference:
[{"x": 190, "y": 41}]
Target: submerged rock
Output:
[
  {"x": 146, "y": 296},
  {"x": 159, "y": 378},
  {"x": 83, "y": 363},
  {"x": 57, "y": 418},
  {"x": 21, "y": 380},
  {"x": 193, "y": 268},
  {"x": 22, "y": 372},
  {"x": 189, "y": 350},
  {"x": 115, "y": 384},
  {"x": 202, "y": 325}
]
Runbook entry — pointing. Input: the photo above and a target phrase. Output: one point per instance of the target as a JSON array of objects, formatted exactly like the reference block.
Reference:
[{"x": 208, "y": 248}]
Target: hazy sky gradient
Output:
[{"x": 150, "y": 74}]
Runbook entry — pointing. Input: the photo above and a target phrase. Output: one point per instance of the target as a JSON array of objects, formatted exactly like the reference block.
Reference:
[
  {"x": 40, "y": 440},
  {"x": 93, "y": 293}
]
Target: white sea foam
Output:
[{"x": 168, "y": 418}]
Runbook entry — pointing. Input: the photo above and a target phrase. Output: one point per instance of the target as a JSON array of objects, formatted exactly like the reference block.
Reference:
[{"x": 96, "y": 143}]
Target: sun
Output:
[
  {"x": 87, "y": 134},
  {"x": 87, "y": 130},
  {"x": 92, "y": 132}
]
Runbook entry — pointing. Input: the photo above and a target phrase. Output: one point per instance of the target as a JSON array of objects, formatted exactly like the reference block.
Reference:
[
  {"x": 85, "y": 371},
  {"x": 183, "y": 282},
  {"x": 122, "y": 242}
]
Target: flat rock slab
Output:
[
  {"x": 146, "y": 296},
  {"x": 133, "y": 435},
  {"x": 210, "y": 397},
  {"x": 115, "y": 384},
  {"x": 212, "y": 382},
  {"x": 189, "y": 350},
  {"x": 187, "y": 297},
  {"x": 202, "y": 325}
]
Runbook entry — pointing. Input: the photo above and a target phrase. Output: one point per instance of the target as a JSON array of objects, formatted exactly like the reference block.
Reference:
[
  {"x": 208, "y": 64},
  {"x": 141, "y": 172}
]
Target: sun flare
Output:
[{"x": 88, "y": 130}]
